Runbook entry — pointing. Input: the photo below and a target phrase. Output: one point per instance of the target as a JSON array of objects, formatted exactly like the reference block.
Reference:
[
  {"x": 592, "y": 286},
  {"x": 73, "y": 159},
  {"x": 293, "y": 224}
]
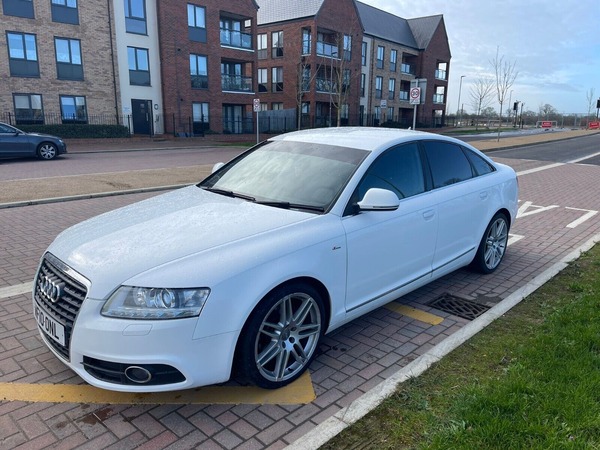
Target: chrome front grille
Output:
[{"x": 60, "y": 291}]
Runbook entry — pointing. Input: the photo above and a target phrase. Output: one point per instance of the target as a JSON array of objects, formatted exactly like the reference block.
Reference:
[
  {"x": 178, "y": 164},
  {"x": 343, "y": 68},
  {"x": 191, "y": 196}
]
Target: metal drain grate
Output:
[{"x": 458, "y": 306}]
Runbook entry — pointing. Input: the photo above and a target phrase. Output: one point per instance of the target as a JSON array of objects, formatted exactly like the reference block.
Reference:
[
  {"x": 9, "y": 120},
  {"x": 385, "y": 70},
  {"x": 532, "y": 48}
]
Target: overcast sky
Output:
[{"x": 554, "y": 44}]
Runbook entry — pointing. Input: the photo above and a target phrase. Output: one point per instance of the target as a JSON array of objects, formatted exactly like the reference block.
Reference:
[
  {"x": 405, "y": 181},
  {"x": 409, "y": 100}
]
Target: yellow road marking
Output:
[
  {"x": 414, "y": 313},
  {"x": 299, "y": 392}
]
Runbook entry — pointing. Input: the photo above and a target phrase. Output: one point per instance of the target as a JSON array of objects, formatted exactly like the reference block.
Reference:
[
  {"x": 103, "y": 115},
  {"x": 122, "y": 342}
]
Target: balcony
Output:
[
  {"x": 236, "y": 83},
  {"x": 438, "y": 99},
  {"x": 325, "y": 85},
  {"x": 403, "y": 95},
  {"x": 237, "y": 39},
  {"x": 440, "y": 74},
  {"x": 327, "y": 50},
  {"x": 407, "y": 68}
]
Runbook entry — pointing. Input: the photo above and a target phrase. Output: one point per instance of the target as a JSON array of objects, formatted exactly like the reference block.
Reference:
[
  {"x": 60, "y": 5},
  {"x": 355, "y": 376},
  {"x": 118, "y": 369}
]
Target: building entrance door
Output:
[{"x": 142, "y": 116}]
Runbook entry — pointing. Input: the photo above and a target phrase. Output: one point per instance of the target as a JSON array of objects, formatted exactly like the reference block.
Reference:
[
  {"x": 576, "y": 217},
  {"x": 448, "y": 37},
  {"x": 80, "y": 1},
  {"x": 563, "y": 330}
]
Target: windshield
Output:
[{"x": 295, "y": 175}]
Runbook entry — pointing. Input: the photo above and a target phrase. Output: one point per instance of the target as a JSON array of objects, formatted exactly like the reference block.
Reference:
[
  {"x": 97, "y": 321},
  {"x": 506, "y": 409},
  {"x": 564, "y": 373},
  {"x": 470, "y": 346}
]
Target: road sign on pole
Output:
[
  {"x": 256, "y": 107},
  {"x": 415, "y": 96}
]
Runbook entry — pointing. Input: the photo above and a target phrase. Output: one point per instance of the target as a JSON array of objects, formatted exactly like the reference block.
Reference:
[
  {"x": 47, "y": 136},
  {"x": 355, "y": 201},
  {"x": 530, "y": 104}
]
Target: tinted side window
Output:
[
  {"x": 480, "y": 165},
  {"x": 398, "y": 170},
  {"x": 448, "y": 163}
]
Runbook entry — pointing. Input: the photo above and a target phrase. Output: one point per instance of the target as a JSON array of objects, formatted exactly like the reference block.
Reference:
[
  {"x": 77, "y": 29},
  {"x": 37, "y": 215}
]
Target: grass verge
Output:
[{"x": 530, "y": 380}]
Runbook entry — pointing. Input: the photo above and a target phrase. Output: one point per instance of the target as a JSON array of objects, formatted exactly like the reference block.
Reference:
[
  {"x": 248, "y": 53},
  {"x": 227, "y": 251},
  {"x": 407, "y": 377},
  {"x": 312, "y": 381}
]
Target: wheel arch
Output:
[
  {"x": 313, "y": 283},
  {"x": 41, "y": 144}
]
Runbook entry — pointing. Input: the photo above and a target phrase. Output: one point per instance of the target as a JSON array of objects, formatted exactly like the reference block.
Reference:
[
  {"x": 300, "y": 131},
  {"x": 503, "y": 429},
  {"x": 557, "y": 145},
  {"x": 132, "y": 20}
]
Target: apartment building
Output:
[
  {"x": 56, "y": 62},
  {"x": 309, "y": 59},
  {"x": 208, "y": 60},
  {"x": 182, "y": 68}
]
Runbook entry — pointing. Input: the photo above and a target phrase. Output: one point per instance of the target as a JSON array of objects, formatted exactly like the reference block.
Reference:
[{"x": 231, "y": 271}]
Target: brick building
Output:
[
  {"x": 166, "y": 66},
  {"x": 56, "y": 62},
  {"x": 208, "y": 64}
]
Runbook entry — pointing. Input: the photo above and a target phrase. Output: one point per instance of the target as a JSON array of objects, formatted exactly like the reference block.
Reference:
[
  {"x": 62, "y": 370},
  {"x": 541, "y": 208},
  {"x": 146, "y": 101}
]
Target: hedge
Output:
[{"x": 79, "y": 131}]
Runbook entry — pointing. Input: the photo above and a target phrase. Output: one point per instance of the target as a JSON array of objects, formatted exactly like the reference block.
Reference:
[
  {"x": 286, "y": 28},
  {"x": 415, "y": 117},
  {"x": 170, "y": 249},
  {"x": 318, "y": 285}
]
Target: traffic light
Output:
[
  {"x": 516, "y": 106},
  {"x": 598, "y": 103}
]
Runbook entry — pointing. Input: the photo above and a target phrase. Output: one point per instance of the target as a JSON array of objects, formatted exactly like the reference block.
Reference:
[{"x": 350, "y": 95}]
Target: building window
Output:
[
  {"x": 378, "y": 86},
  {"x": 232, "y": 34},
  {"x": 380, "y": 54},
  {"x": 261, "y": 45},
  {"x": 392, "y": 89},
  {"x": 306, "y": 41},
  {"x": 263, "y": 80},
  {"x": 277, "y": 106},
  {"x": 393, "y": 60},
  {"x": 139, "y": 66},
  {"x": 199, "y": 71},
  {"x": 363, "y": 53},
  {"x": 22, "y": 55},
  {"x": 68, "y": 59},
  {"x": 363, "y": 82},
  {"x": 277, "y": 79},
  {"x": 277, "y": 44},
  {"x": 200, "y": 117},
  {"x": 73, "y": 109},
  {"x": 65, "y": 11},
  {"x": 439, "y": 95},
  {"x": 441, "y": 71},
  {"x": 347, "y": 47},
  {"x": 196, "y": 23},
  {"x": 233, "y": 78},
  {"x": 135, "y": 16},
  {"x": 28, "y": 109},
  {"x": 346, "y": 80},
  {"x": 18, "y": 8},
  {"x": 390, "y": 113},
  {"x": 305, "y": 82}
]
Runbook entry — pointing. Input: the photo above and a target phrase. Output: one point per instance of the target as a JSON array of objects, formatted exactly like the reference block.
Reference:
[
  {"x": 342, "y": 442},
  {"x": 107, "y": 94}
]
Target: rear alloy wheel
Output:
[
  {"x": 493, "y": 245},
  {"x": 282, "y": 335},
  {"x": 47, "y": 150}
]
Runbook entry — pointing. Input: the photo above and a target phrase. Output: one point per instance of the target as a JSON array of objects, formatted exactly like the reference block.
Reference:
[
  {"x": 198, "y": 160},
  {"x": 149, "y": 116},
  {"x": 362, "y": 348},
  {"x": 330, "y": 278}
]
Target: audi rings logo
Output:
[{"x": 51, "y": 289}]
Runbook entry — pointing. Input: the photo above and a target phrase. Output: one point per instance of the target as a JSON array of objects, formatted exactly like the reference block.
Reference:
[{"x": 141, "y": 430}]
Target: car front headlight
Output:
[{"x": 129, "y": 302}]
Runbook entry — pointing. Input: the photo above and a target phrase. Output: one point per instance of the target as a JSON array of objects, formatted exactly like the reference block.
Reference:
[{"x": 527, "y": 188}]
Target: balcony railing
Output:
[
  {"x": 328, "y": 50},
  {"x": 438, "y": 98},
  {"x": 407, "y": 68},
  {"x": 237, "y": 39},
  {"x": 440, "y": 74},
  {"x": 326, "y": 85},
  {"x": 236, "y": 83}
]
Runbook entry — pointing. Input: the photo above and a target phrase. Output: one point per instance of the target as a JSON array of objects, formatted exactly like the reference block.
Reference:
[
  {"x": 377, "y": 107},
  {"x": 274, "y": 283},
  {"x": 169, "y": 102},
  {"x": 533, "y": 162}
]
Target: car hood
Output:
[
  {"x": 116, "y": 246},
  {"x": 42, "y": 135}
]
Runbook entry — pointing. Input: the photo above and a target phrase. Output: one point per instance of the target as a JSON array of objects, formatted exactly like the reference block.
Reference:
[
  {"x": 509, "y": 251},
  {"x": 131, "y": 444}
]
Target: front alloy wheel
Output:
[
  {"x": 493, "y": 245},
  {"x": 282, "y": 336},
  {"x": 47, "y": 151}
]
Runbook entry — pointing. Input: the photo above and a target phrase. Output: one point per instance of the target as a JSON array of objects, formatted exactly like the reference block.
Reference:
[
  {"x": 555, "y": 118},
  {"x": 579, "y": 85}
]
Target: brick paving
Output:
[{"x": 352, "y": 360}]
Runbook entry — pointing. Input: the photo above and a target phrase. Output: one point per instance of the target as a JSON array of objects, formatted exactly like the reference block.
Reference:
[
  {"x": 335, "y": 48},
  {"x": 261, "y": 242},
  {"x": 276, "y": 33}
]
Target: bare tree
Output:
[
  {"x": 590, "y": 97},
  {"x": 305, "y": 76},
  {"x": 506, "y": 74},
  {"x": 341, "y": 72},
  {"x": 481, "y": 94}
]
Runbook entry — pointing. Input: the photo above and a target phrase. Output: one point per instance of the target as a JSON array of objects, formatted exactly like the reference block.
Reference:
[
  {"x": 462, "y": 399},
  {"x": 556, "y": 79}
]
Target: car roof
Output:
[{"x": 364, "y": 138}]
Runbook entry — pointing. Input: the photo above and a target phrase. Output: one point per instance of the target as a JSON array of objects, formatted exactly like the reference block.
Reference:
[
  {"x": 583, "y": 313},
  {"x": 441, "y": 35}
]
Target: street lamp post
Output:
[{"x": 459, "y": 91}]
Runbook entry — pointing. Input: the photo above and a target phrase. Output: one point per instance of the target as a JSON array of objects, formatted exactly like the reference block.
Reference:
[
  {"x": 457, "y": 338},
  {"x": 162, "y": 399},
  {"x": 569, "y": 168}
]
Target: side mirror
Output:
[
  {"x": 217, "y": 166},
  {"x": 379, "y": 200}
]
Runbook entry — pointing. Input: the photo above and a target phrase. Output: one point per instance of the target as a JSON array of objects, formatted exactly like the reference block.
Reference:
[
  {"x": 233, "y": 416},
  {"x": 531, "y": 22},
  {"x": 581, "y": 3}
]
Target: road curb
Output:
[
  {"x": 90, "y": 196},
  {"x": 360, "y": 407}
]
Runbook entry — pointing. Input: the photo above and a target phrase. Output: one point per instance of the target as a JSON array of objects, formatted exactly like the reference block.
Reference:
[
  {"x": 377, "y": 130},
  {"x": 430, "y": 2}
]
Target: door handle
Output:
[
  {"x": 427, "y": 215},
  {"x": 483, "y": 195}
]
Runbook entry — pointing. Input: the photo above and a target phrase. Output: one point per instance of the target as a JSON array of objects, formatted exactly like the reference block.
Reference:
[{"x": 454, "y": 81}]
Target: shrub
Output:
[{"x": 79, "y": 131}]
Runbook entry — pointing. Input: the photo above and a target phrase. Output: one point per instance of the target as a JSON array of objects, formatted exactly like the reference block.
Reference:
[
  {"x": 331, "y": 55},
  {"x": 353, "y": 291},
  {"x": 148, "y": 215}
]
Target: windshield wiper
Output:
[
  {"x": 288, "y": 205},
  {"x": 229, "y": 193}
]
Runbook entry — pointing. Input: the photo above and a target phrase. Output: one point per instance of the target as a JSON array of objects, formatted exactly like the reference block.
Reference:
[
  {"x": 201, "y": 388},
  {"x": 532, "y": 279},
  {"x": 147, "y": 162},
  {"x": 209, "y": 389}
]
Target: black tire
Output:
[
  {"x": 47, "y": 151},
  {"x": 281, "y": 337},
  {"x": 493, "y": 245}
]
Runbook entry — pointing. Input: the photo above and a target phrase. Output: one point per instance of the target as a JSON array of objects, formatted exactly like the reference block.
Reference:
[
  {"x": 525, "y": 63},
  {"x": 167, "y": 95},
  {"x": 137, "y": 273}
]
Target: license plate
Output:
[{"x": 49, "y": 326}]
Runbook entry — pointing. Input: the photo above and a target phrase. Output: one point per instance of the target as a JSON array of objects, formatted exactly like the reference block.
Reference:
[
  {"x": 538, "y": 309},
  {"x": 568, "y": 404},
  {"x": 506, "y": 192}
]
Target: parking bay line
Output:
[
  {"x": 15, "y": 290},
  {"x": 300, "y": 391},
  {"x": 414, "y": 313}
]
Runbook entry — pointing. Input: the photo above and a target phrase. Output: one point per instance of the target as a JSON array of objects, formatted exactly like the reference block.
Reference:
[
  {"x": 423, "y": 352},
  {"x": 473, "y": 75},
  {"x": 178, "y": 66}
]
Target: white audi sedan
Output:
[{"x": 241, "y": 275}]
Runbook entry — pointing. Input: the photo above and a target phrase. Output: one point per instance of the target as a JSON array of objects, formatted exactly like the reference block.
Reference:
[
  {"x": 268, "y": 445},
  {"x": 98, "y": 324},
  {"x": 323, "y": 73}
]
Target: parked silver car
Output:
[{"x": 15, "y": 143}]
